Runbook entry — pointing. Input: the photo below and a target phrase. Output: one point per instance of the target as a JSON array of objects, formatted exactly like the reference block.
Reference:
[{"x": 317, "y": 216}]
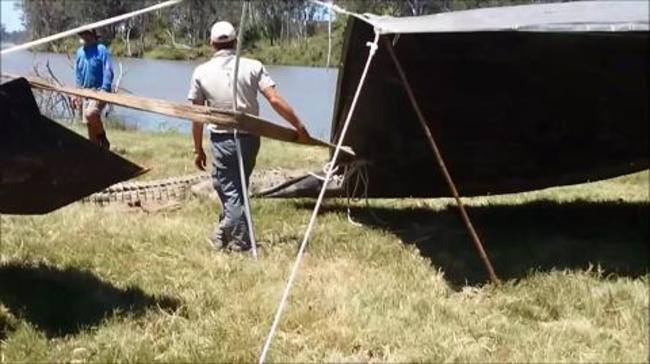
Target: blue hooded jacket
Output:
[{"x": 93, "y": 67}]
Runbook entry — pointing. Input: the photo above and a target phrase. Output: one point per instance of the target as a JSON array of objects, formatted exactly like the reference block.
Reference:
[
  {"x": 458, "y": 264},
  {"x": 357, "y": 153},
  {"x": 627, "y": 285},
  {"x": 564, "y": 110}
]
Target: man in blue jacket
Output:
[{"x": 94, "y": 70}]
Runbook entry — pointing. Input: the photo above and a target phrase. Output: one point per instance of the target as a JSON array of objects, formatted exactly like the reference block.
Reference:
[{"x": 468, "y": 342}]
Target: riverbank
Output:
[{"x": 92, "y": 284}]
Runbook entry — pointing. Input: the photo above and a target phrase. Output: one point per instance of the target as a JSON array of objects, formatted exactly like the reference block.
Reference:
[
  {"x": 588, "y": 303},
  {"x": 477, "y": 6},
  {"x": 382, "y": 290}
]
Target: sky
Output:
[{"x": 9, "y": 16}]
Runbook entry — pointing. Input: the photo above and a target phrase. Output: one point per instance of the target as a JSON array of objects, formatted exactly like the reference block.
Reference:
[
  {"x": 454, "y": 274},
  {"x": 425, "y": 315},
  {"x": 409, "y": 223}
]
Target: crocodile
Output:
[{"x": 179, "y": 188}]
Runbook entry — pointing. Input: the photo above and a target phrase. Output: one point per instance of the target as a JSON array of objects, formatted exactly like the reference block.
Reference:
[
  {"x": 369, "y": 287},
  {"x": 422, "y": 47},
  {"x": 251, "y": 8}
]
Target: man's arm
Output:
[
  {"x": 197, "y": 97},
  {"x": 200, "y": 159},
  {"x": 107, "y": 82},
  {"x": 77, "y": 70},
  {"x": 282, "y": 107},
  {"x": 76, "y": 101}
]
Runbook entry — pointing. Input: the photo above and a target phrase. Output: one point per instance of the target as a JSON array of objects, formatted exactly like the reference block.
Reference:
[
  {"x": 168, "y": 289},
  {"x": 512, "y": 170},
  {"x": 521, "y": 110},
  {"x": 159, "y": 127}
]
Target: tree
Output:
[{"x": 44, "y": 17}]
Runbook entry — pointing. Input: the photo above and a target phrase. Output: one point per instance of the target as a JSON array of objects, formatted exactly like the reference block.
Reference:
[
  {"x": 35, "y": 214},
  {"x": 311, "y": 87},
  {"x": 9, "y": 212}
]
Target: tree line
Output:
[{"x": 187, "y": 25}]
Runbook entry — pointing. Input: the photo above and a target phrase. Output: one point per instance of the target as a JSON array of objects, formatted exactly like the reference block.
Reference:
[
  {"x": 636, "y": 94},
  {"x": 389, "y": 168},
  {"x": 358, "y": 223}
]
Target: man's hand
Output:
[
  {"x": 303, "y": 134},
  {"x": 200, "y": 160}
]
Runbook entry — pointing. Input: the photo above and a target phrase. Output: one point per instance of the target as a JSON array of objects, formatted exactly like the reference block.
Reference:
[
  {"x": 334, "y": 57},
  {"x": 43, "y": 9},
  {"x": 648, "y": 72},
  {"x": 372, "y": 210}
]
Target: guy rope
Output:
[
  {"x": 312, "y": 221},
  {"x": 82, "y": 28}
]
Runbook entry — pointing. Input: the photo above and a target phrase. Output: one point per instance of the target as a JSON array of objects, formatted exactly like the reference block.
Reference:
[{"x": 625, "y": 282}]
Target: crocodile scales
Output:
[
  {"x": 174, "y": 188},
  {"x": 182, "y": 187}
]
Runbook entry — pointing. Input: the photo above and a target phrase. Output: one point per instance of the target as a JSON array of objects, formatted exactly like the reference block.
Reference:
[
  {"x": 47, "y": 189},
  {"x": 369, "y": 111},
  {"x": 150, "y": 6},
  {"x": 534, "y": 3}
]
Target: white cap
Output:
[{"x": 222, "y": 32}]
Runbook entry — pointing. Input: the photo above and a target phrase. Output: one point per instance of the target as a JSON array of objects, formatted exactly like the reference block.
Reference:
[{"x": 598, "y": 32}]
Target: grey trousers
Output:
[{"x": 232, "y": 226}]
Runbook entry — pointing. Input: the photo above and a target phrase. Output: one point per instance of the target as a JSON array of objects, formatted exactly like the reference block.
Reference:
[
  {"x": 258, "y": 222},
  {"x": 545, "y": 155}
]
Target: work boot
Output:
[
  {"x": 216, "y": 244},
  {"x": 217, "y": 239},
  {"x": 238, "y": 247}
]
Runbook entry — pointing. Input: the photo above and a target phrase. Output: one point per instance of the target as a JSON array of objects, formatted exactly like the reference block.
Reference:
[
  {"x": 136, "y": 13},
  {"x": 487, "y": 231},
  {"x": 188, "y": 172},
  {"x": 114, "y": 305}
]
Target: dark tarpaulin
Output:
[
  {"x": 511, "y": 110},
  {"x": 43, "y": 165}
]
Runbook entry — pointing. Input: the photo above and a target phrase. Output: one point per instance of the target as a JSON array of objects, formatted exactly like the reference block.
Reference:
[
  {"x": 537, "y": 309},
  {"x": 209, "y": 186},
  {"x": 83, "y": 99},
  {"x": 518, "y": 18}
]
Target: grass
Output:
[{"x": 90, "y": 284}]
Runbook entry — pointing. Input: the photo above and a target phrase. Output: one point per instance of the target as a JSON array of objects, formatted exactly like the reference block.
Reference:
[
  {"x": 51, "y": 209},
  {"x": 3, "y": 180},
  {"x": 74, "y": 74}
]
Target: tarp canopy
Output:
[
  {"x": 518, "y": 98},
  {"x": 581, "y": 16},
  {"x": 43, "y": 165}
]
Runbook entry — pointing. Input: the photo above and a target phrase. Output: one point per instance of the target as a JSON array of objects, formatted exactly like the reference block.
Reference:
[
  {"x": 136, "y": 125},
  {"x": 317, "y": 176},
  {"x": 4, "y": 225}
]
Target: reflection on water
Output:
[{"x": 310, "y": 91}]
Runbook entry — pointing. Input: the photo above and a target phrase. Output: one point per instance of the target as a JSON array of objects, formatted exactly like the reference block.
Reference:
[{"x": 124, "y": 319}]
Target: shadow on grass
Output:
[
  {"x": 62, "y": 302},
  {"x": 537, "y": 236},
  {"x": 5, "y": 326}
]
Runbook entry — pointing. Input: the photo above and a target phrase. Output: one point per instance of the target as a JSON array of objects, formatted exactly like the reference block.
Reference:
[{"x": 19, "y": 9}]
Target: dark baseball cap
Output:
[{"x": 88, "y": 31}]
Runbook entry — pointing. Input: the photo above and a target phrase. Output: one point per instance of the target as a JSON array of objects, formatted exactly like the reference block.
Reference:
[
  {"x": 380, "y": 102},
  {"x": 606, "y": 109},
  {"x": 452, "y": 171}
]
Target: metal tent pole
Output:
[{"x": 441, "y": 163}]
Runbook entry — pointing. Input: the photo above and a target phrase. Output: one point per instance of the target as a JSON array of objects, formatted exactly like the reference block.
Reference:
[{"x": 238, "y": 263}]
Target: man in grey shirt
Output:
[{"x": 212, "y": 85}]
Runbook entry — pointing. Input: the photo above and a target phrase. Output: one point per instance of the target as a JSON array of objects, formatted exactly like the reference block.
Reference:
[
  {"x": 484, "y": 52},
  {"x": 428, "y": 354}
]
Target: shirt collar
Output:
[{"x": 224, "y": 53}]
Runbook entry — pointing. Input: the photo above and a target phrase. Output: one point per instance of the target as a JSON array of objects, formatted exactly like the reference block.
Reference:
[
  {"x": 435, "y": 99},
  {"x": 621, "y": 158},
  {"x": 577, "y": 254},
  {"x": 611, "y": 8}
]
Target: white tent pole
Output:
[
  {"x": 98, "y": 24},
  {"x": 240, "y": 158},
  {"x": 329, "y": 35}
]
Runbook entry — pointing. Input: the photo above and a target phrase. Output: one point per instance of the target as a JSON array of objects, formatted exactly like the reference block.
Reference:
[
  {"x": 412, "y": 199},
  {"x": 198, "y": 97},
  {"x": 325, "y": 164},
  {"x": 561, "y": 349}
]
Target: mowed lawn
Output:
[{"x": 95, "y": 284}]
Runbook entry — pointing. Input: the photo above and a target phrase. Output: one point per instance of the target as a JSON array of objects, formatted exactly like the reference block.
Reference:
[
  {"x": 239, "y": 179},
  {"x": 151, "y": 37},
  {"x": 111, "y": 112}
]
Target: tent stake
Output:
[{"x": 441, "y": 164}]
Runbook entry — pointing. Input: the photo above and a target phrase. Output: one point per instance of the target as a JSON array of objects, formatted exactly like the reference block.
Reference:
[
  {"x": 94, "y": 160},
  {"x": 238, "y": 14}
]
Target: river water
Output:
[{"x": 309, "y": 90}]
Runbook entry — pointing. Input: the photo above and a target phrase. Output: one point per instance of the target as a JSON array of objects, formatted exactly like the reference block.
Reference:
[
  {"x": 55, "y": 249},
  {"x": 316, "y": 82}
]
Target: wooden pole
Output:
[
  {"x": 222, "y": 117},
  {"x": 441, "y": 163}
]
